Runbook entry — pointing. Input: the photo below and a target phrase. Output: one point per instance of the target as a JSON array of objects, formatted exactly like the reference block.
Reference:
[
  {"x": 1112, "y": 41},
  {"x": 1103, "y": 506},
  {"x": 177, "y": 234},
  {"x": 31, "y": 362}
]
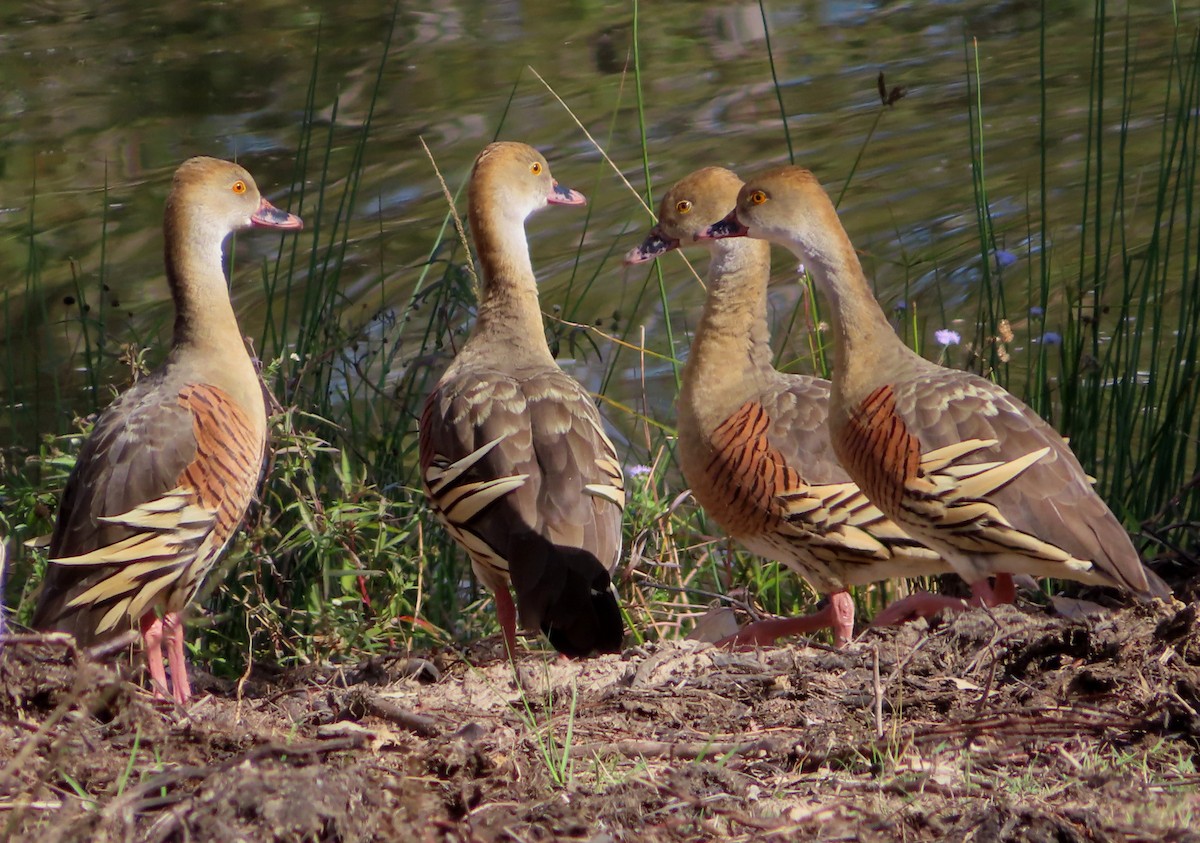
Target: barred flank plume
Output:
[{"x": 157, "y": 494}]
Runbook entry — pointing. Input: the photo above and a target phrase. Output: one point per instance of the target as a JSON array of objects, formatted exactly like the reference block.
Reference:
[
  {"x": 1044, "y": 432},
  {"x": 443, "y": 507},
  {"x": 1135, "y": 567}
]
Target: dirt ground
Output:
[{"x": 1021, "y": 724}]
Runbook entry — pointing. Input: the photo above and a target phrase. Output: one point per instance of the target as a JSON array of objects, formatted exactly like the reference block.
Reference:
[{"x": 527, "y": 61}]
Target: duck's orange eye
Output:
[
  {"x": 239, "y": 186},
  {"x": 683, "y": 206},
  {"x": 536, "y": 168},
  {"x": 757, "y": 197}
]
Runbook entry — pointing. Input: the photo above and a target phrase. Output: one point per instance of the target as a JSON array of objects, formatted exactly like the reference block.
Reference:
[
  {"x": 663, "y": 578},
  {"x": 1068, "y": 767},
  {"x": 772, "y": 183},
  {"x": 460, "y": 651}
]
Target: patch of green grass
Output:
[
  {"x": 553, "y": 750},
  {"x": 89, "y": 802},
  {"x": 613, "y": 770}
]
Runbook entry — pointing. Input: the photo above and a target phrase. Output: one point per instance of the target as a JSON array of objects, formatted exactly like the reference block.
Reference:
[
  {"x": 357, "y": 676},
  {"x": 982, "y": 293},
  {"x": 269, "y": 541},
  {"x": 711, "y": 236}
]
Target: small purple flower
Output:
[
  {"x": 901, "y": 305},
  {"x": 1036, "y": 312},
  {"x": 1052, "y": 338},
  {"x": 638, "y": 470},
  {"x": 947, "y": 337},
  {"x": 1005, "y": 258}
]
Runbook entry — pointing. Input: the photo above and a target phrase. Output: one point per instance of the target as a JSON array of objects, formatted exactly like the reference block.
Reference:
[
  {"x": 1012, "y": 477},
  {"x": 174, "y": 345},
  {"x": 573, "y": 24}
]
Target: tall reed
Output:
[{"x": 1120, "y": 383}]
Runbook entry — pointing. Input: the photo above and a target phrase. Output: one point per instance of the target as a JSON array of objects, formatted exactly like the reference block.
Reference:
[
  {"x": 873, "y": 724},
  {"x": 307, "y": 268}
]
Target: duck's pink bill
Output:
[
  {"x": 268, "y": 216},
  {"x": 560, "y": 195}
]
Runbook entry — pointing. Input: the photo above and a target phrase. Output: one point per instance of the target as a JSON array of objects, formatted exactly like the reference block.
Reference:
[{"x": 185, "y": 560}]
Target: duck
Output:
[
  {"x": 514, "y": 458},
  {"x": 163, "y": 481},
  {"x": 954, "y": 459},
  {"x": 753, "y": 444}
]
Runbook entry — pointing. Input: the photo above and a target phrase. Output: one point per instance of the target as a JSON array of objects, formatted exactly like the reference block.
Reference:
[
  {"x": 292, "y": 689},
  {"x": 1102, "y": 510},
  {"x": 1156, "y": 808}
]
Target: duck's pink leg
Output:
[
  {"x": 506, "y": 613},
  {"x": 922, "y": 604},
  {"x": 1004, "y": 589},
  {"x": 837, "y": 615},
  {"x": 180, "y": 686},
  {"x": 152, "y": 635},
  {"x": 841, "y": 605}
]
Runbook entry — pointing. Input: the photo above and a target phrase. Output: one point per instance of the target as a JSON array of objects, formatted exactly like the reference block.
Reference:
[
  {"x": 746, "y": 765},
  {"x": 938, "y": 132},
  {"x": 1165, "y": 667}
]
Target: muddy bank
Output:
[{"x": 1017, "y": 725}]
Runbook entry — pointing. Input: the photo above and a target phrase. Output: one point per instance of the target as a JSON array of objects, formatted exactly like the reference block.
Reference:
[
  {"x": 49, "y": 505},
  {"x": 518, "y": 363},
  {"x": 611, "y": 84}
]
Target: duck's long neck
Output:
[
  {"x": 509, "y": 312},
  {"x": 730, "y": 359},
  {"x": 208, "y": 346},
  {"x": 204, "y": 317},
  {"x": 864, "y": 340},
  {"x": 732, "y": 341}
]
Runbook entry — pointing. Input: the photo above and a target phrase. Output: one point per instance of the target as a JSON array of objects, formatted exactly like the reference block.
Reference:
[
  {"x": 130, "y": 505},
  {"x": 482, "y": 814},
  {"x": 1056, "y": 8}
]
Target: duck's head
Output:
[
  {"x": 687, "y": 210},
  {"x": 784, "y": 205},
  {"x": 225, "y": 195},
  {"x": 514, "y": 178}
]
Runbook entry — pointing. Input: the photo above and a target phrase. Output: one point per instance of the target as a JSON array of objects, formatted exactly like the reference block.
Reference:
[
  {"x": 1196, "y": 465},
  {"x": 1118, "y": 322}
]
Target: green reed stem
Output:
[
  {"x": 787, "y": 133},
  {"x": 991, "y": 298},
  {"x": 862, "y": 149},
  {"x": 664, "y": 302}
]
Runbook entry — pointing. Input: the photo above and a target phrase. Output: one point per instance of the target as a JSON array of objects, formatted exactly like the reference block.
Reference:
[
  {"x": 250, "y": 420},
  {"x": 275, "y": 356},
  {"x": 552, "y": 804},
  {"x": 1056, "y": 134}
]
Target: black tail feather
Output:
[
  {"x": 568, "y": 594},
  {"x": 598, "y": 629}
]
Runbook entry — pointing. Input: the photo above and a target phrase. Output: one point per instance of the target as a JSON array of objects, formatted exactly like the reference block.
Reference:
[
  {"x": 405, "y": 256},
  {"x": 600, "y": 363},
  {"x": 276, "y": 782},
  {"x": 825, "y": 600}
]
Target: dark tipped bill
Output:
[
  {"x": 654, "y": 245},
  {"x": 268, "y": 216},
  {"x": 560, "y": 195},
  {"x": 728, "y": 227}
]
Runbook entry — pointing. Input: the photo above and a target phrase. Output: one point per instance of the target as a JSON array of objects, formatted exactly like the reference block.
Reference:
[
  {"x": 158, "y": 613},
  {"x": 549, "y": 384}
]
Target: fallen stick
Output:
[
  {"x": 633, "y": 748},
  {"x": 361, "y": 702}
]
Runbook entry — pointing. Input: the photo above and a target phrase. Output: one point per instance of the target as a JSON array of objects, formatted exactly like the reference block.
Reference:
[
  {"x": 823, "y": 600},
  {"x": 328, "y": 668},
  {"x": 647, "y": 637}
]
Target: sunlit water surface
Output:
[{"x": 98, "y": 106}]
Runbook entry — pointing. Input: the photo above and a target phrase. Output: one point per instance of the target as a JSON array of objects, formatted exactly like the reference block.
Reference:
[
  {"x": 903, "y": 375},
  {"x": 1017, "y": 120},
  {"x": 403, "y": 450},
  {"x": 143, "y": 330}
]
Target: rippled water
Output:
[{"x": 98, "y": 106}]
